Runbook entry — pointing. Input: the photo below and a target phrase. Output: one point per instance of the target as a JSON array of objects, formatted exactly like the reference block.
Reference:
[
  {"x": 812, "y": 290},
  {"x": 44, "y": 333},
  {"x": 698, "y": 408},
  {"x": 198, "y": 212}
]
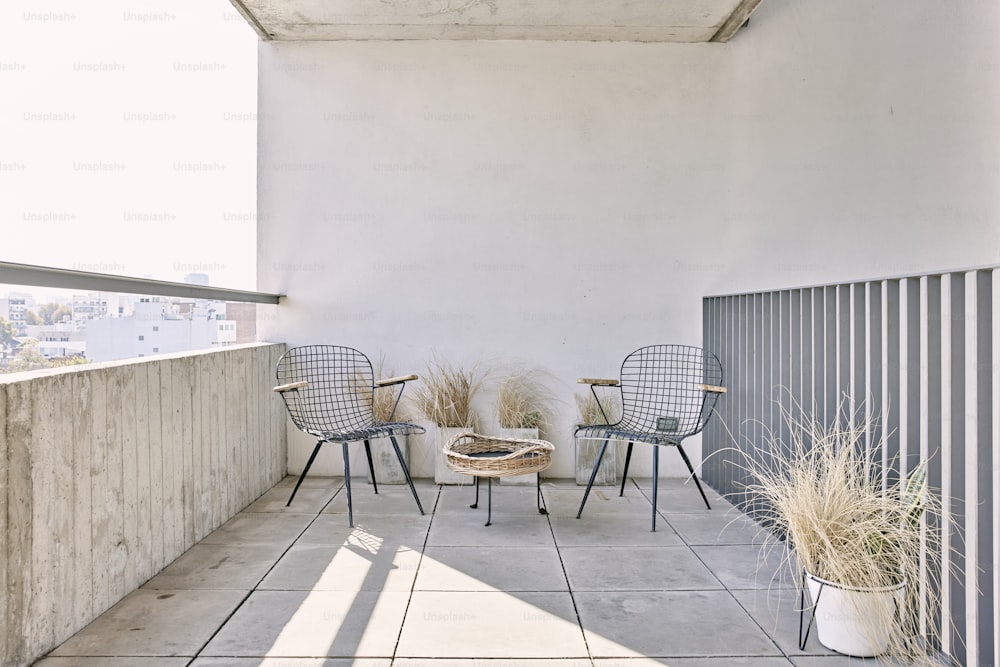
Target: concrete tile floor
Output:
[{"x": 297, "y": 587}]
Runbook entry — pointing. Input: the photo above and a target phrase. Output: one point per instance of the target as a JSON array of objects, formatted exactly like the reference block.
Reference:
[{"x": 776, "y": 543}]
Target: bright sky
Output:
[{"x": 128, "y": 138}]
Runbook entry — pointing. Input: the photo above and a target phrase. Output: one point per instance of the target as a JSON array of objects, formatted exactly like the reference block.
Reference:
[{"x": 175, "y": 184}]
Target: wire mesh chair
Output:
[
  {"x": 330, "y": 394},
  {"x": 668, "y": 394}
]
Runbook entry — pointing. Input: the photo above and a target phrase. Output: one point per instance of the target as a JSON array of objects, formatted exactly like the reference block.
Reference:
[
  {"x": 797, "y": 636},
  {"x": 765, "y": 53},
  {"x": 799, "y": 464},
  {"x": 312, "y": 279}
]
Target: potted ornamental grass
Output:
[
  {"x": 386, "y": 407},
  {"x": 594, "y": 413},
  {"x": 522, "y": 401},
  {"x": 444, "y": 398},
  {"x": 857, "y": 538},
  {"x": 521, "y": 404}
]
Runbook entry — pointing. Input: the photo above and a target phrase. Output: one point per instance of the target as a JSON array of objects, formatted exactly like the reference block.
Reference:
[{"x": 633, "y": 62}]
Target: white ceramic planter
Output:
[
  {"x": 586, "y": 453},
  {"x": 856, "y": 622},
  {"x": 518, "y": 434},
  {"x": 387, "y": 468},
  {"x": 442, "y": 473}
]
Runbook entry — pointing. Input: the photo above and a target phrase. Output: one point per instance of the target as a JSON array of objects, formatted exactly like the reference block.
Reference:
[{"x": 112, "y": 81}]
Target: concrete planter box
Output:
[
  {"x": 387, "y": 468},
  {"x": 442, "y": 473},
  {"x": 518, "y": 434},
  {"x": 586, "y": 450}
]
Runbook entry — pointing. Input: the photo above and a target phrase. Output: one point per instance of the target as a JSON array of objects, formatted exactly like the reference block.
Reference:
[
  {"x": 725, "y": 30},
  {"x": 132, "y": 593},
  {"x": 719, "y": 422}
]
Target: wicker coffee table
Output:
[{"x": 489, "y": 457}]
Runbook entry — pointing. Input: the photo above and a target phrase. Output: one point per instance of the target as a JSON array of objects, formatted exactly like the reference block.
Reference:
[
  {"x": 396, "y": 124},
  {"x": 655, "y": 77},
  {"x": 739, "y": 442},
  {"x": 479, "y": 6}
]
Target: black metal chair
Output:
[
  {"x": 329, "y": 392},
  {"x": 668, "y": 394}
]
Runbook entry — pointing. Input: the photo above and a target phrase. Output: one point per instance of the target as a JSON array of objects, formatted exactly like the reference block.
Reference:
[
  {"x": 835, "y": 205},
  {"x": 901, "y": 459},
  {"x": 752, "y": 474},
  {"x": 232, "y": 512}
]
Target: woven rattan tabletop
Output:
[{"x": 489, "y": 456}]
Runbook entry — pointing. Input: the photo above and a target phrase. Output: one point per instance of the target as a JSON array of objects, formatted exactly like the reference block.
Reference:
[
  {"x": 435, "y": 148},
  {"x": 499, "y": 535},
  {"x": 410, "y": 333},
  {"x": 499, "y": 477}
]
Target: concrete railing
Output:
[
  {"x": 919, "y": 353},
  {"x": 109, "y": 472}
]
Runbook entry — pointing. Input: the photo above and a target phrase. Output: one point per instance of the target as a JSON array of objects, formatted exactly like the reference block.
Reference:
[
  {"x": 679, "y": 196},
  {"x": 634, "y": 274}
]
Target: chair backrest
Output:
[
  {"x": 662, "y": 390},
  {"x": 338, "y": 398}
]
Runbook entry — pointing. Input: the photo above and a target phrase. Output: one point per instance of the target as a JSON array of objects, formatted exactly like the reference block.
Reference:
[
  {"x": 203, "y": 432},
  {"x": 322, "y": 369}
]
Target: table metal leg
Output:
[
  {"x": 542, "y": 509},
  {"x": 489, "y": 500}
]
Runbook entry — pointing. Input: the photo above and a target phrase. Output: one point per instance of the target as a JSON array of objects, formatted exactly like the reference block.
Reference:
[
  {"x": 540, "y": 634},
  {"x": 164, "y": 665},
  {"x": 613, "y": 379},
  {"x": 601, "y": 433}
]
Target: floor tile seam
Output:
[
  {"x": 569, "y": 590},
  {"x": 753, "y": 620},
  {"x": 630, "y": 591},
  {"x": 710, "y": 656},
  {"x": 490, "y": 546},
  {"x": 479, "y": 660},
  {"x": 416, "y": 575},
  {"x": 795, "y": 651},
  {"x": 679, "y": 535},
  {"x": 663, "y": 514},
  {"x": 490, "y": 589},
  {"x": 739, "y": 515},
  {"x": 214, "y": 589},
  {"x": 724, "y": 514},
  {"x": 119, "y": 656},
  {"x": 774, "y": 583},
  {"x": 256, "y": 586},
  {"x": 699, "y": 545},
  {"x": 628, "y": 546},
  {"x": 616, "y": 511},
  {"x": 285, "y": 657},
  {"x": 709, "y": 567},
  {"x": 535, "y": 550},
  {"x": 729, "y": 591},
  {"x": 221, "y": 625},
  {"x": 630, "y": 513},
  {"x": 245, "y": 513},
  {"x": 263, "y": 543},
  {"x": 509, "y": 592}
]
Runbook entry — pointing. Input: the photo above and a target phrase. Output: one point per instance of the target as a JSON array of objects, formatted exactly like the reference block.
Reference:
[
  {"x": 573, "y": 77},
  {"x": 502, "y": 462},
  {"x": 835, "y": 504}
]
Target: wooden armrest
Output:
[
  {"x": 599, "y": 382},
  {"x": 396, "y": 380},
  {"x": 281, "y": 388},
  {"x": 715, "y": 389}
]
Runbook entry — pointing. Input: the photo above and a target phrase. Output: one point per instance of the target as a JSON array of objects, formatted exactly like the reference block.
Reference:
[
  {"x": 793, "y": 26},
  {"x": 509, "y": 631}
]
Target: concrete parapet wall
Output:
[{"x": 108, "y": 472}]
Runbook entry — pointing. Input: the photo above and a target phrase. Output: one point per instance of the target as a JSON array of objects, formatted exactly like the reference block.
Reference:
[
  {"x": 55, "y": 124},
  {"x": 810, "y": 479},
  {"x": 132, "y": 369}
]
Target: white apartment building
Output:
[
  {"x": 14, "y": 307},
  {"x": 158, "y": 326},
  {"x": 65, "y": 339},
  {"x": 93, "y": 306}
]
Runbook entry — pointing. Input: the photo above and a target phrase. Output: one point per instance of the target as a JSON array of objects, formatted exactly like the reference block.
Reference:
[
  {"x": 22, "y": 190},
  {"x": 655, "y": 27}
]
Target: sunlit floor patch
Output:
[
  {"x": 491, "y": 625},
  {"x": 312, "y": 624}
]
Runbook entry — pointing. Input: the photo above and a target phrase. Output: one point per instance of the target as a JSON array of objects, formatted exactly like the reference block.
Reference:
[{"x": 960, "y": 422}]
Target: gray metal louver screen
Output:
[{"x": 922, "y": 353}]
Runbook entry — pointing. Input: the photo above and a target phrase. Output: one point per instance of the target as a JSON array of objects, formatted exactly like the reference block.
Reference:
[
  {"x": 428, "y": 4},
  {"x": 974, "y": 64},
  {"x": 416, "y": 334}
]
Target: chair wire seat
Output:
[
  {"x": 381, "y": 429},
  {"x": 668, "y": 394},
  {"x": 329, "y": 391}
]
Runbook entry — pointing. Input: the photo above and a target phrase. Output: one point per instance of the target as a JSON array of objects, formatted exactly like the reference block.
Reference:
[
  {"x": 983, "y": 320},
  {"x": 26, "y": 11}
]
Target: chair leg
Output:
[
  {"x": 475, "y": 505},
  {"x": 694, "y": 476},
  {"x": 656, "y": 480},
  {"x": 406, "y": 473},
  {"x": 347, "y": 481},
  {"x": 593, "y": 475},
  {"x": 628, "y": 457},
  {"x": 312, "y": 457},
  {"x": 371, "y": 466}
]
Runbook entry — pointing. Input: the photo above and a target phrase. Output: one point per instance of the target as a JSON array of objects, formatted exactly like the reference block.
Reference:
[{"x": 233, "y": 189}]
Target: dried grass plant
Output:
[
  {"x": 521, "y": 400},
  {"x": 446, "y": 392},
  {"x": 590, "y": 409},
  {"x": 384, "y": 398},
  {"x": 824, "y": 492}
]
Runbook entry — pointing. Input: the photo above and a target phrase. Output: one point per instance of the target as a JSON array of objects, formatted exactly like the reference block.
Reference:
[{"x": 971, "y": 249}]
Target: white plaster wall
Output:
[{"x": 561, "y": 204}]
